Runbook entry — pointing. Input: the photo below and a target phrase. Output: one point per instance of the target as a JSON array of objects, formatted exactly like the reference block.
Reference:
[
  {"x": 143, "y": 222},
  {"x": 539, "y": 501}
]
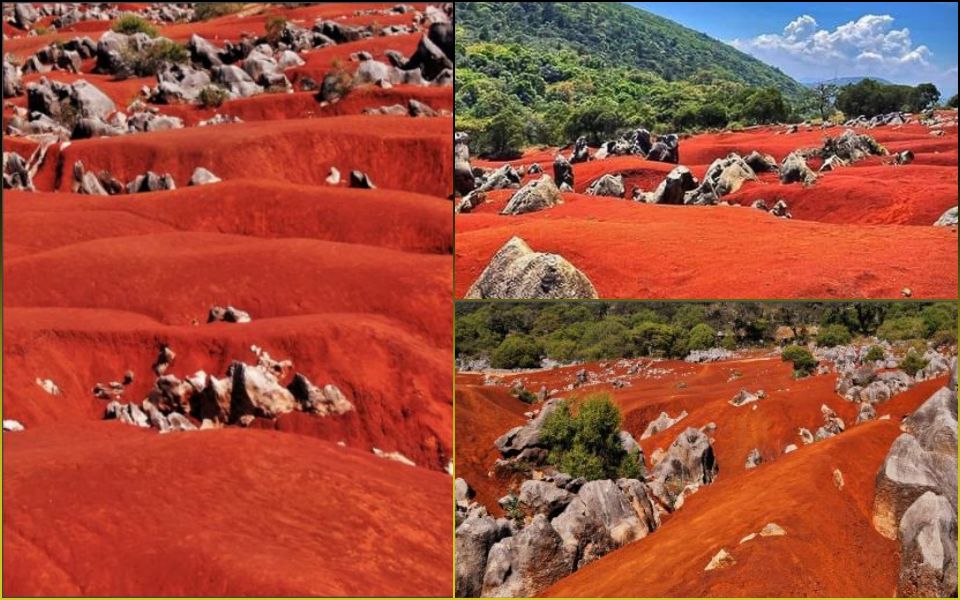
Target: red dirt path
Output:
[
  {"x": 830, "y": 549},
  {"x": 863, "y": 231},
  {"x": 352, "y": 285}
]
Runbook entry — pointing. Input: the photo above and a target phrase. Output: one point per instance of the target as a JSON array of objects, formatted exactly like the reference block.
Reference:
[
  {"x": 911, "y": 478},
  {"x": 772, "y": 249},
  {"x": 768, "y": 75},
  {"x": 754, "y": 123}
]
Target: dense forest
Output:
[
  {"x": 520, "y": 334},
  {"x": 531, "y": 73}
]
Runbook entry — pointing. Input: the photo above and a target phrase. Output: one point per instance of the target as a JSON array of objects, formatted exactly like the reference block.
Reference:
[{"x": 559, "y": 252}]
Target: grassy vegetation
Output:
[
  {"x": 521, "y": 334},
  {"x": 147, "y": 61},
  {"x": 912, "y": 362},
  {"x": 212, "y": 10},
  {"x": 130, "y": 23},
  {"x": 212, "y": 96}
]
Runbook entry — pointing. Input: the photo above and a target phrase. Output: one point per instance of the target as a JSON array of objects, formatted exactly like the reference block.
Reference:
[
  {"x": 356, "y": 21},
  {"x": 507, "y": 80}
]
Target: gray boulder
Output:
[
  {"x": 754, "y": 459},
  {"x": 795, "y": 170},
  {"x": 474, "y": 538},
  {"x": 562, "y": 172},
  {"x": 662, "y": 423},
  {"x": 535, "y": 196},
  {"x": 687, "y": 464},
  {"x": 948, "y": 218},
  {"x": 517, "y": 272},
  {"x": 928, "y": 549},
  {"x": 543, "y": 497},
  {"x": 526, "y": 436},
  {"x": 202, "y": 176},
  {"x": 608, "y": 185},
  {"x": 673, "y": 188},
  {"x": 526, "y": 563}
]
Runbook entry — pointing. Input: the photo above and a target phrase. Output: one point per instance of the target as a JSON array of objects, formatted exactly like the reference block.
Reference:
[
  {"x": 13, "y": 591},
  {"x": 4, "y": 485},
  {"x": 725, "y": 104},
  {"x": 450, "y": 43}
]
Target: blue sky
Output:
[{"x": 899, "y": 42}]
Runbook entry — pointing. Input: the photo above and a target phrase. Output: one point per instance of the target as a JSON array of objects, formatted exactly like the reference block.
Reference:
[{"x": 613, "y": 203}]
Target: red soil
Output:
[
  {"x": 352, "y": 285},
  {"x": 863, "y": 231},
  {"x": 830, "y": 549},
  {"x": 105, "y": 509}
]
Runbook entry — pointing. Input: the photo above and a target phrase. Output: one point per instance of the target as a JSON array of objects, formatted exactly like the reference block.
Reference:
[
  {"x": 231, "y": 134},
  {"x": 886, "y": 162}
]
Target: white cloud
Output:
[{"x": 870, "y": 43}]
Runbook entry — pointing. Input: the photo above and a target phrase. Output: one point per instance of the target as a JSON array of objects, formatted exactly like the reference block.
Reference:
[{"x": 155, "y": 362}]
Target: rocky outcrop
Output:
[
  {"x": 475, "y": 536},
  {"x": 202, "y": 176},
  {"x": 688, "y": 463},
  {"x": 673, "y": 188},
  {"x": 325, "y": 401},
  {"x": 851, "y": 147},
  {"x": 662, "y": 423},
  {"x": 526, "y": 436},
  {"x": 535, "y": 196},
  {"x": 516, "y": 271},
  {"x": 795, "y": 170},
  {"x": 916, "y": 496},
  {"x": 523, "y": 564}
]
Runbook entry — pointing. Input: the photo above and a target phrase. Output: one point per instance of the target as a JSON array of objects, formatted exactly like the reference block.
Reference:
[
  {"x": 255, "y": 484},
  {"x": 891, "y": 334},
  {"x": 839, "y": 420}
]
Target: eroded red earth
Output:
[
  {"x": 862, "y": 231},
  {"x": 831, "y": 547},
  {"x": 352, "y": 285}
]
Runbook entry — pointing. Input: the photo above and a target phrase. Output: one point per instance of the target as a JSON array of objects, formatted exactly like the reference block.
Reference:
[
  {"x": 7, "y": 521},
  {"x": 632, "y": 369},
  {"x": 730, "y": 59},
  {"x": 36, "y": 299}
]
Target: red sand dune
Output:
[
  {"x": 830, "y": 549},
  {"x": 863, "y": 231},
  {"x": 352, "y": 285}
]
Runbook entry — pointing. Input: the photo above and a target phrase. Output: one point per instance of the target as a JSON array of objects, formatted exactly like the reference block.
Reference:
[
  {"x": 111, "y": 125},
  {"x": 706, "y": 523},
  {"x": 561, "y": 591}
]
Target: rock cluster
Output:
[
  {"x": 916, "y": 496},
  {"x": 245, "y": 393}
]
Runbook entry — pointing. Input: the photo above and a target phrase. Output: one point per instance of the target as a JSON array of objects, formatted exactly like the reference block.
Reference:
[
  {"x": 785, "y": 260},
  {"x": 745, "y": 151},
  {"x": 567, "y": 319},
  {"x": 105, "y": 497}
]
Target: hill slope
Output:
[{"x": 620, "y": 35}]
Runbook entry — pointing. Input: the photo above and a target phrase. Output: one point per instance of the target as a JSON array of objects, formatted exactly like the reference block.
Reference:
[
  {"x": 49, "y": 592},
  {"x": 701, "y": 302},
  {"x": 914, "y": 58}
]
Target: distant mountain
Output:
[
  {"x": 842, "y": 81},
  {"x": 620, "y": 35}
]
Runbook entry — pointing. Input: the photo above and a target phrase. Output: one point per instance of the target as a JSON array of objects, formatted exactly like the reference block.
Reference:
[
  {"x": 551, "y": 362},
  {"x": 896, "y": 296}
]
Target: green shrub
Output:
[
  {"x": 912, "y": 363},
  {"x": 212, "y": 96},
  {"x": 148, "y": 60},
  {"x": 902, "y": 328},
  {"x": 655, "y": 339},
  {"x": 875, "y": 353},
  {"x": 833, "y": 335},
  {"x": 130, "y": 23},
  {"x": 803, "y": 361},
  {"x": 516, "y": 352},
  {"x": 588, "y": 444},
  {"x": 513, "y": 511},
  {"x": 701, "y": 337},
  {"x": 211, "y": 10},
  {"x": 525, "y": 395}
]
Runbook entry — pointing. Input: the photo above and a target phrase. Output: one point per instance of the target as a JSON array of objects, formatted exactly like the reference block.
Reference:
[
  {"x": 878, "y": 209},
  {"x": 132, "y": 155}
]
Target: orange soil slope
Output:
[
  {"x": 830, "y": 549},
  {"x": 484, "y": 413},
  {"x": 631, "y": 250},
  {"x": 861, "y": 231},
  {"x": 352, "y": 285},
  {"x": 214, "y": 513}
]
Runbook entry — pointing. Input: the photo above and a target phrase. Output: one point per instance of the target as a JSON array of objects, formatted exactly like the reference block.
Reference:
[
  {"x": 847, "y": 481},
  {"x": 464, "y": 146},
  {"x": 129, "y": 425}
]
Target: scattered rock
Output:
[
  {"x": 720, "y": 560},
  {"x": 12, "y": 425},
  {"x": 359, "y": 179},
  {"x": 754, "y": 459},
  {"x": 772, "y": 530},
  {"x": 325, "y": 401},
  {"x": 662, "y": 423},
  {"x": 795, "y": 169},
  {"x": 202, "y": 176},
  {"x": 228, "y": 315}
]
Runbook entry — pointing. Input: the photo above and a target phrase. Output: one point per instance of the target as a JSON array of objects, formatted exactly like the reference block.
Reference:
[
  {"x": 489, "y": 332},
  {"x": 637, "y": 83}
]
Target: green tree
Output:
[
  {"x": 701, "y": 337},
  {"x": 925, "y": 95},
  {"x": 516, "y": 351},
  {"x": 766, "y": 105},
  {"x": 825, "y": 97}
]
